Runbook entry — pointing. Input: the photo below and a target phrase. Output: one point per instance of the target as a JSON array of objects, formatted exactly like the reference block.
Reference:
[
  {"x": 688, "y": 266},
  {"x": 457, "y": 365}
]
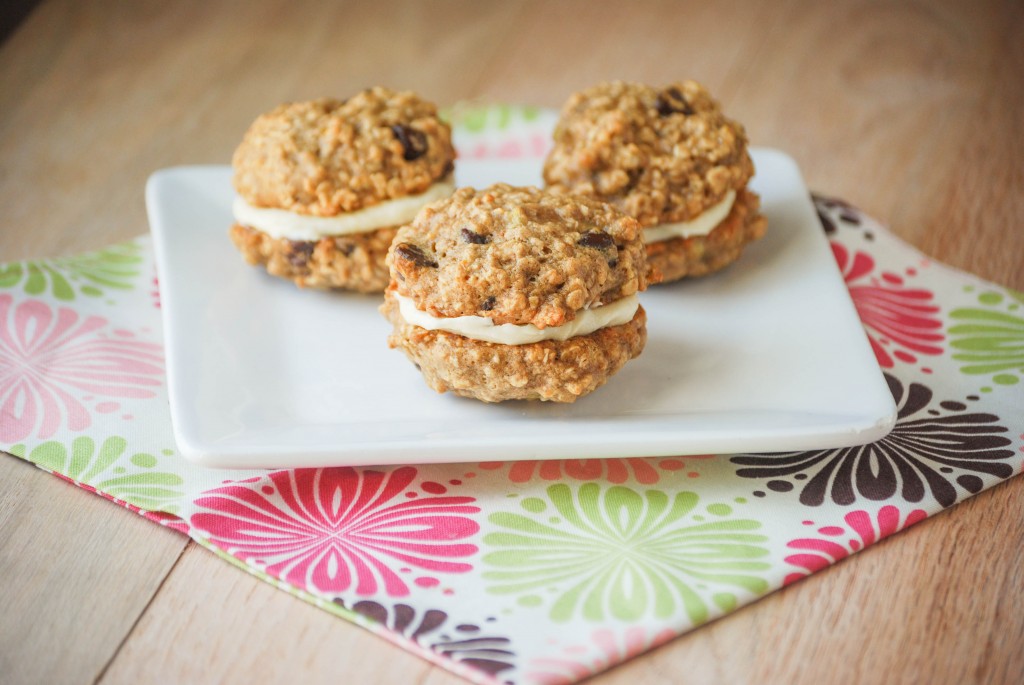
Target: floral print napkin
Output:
[{"x": 526, "y": 572}]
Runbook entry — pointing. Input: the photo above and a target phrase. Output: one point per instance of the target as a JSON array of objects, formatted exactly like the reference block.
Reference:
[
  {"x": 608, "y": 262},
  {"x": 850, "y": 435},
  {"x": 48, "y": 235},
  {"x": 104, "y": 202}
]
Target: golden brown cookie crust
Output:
[
  {"x": 549, "y": 370},
  {"x": 700, "y": 255},
  {"x": 517, "y": 255},
  {"x": 351, "y": 262},
  {"x": 324, "y": 157},
  {"x": 662, "y": 155}
]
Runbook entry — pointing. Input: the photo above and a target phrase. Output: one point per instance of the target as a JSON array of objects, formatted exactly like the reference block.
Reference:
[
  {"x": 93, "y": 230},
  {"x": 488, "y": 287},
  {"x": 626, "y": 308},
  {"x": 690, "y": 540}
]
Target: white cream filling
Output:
[
  {"x": 280, "y": 223},
  {"x": 482, "y": 328},
  {"x": 701, "y": 225}
]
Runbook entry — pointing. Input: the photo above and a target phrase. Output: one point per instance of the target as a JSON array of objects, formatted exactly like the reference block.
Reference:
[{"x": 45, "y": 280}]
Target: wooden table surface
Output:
[{"x": 912, "y": 110}]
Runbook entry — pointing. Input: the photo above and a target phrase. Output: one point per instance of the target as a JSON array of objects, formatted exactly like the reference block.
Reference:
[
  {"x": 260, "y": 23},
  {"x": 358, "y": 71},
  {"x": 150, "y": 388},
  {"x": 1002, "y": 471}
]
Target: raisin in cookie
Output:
[
  {"x": 322, "y": 186},
  {"x": 514, "y": 293},
  {"x": 668, "y": 157}
]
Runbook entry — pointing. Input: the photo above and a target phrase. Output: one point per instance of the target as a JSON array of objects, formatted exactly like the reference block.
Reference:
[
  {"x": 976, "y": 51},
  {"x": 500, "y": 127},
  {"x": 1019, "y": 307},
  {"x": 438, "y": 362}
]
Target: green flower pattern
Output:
[
  {"x": 110, "y": 470},
  {"x": 91, "y": 274},
  {"x": 471, "y": 118},
  {"x": 990, "y": 341},
  {"x": 585, "y": 558},
  {"x": 618, "y": 553}
]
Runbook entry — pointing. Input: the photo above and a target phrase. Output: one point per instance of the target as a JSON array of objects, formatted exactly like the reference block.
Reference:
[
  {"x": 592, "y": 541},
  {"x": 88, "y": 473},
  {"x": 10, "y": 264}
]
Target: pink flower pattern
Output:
[
  {"x": 646, "y": 471},
  {"x": 836, "y": 542},
  {"x": 375, "y": 533},
  {"x": 535, "y": 146},
  {"x": 580, "y": 662},
  {"x": 338, "y": 529},
  {"x": 155, "y": 292},
  {"x": 50, "y": 360},
  {"x": 891, "y": 313}
]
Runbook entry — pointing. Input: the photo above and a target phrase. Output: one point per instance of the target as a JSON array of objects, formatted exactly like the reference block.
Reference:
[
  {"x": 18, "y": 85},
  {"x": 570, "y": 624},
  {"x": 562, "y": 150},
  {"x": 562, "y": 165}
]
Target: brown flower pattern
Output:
[
  {"x": 934, "y": 448},
  {"x": 465, "y": 643}
]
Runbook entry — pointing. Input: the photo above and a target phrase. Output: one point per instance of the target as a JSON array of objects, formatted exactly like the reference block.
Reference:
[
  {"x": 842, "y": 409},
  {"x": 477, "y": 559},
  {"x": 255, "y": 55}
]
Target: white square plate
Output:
[{"x": 768, "y": 355}]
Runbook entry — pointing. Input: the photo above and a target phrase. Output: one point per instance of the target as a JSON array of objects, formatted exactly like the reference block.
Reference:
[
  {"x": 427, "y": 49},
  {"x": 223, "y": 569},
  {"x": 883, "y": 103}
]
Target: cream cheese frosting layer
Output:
[
  {"x": 482, "y": 328},
  {"x": 281, "y": 223},
  {"x": 699, "y": 226}
]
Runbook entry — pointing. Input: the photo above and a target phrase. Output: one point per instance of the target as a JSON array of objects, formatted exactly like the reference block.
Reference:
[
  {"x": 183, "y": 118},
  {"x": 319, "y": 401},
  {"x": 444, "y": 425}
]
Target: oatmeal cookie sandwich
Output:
[
  {"x": 322, "y": 186},
  {"x": 670, "y": 158},
  {"x": 513, "y": 293}
]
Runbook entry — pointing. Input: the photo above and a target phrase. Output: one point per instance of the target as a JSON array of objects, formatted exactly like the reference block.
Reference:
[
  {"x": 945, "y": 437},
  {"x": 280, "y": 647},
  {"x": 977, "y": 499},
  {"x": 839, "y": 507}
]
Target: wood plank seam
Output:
[{"x": 135, "y": 623}]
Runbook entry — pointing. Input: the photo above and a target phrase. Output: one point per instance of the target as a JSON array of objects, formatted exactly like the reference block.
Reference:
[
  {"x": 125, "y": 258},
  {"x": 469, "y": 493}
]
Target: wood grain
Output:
[
  {"x": 193, "y": 632},
  {"x": 77, "y": 572},
  {"x": 912, "y": 110}
]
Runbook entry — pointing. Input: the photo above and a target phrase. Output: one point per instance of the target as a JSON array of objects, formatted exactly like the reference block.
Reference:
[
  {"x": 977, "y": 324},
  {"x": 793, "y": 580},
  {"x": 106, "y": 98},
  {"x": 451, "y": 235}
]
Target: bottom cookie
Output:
[
  {"x": 550, "y": 370},
  {"x": 697, "y": 256},
  {"x": 350, "y": 262}
]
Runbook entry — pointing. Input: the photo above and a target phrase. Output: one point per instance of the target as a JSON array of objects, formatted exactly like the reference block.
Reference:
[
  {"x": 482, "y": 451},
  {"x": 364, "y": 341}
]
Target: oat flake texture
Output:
[{"x": 525, "y": 572}]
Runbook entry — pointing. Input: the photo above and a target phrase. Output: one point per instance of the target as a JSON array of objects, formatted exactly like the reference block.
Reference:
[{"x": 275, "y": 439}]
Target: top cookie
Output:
[
  {"x": 661, "y": 155},
  {"x": 326, "y": 156},
  {"x": 517, "y": 255}
]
